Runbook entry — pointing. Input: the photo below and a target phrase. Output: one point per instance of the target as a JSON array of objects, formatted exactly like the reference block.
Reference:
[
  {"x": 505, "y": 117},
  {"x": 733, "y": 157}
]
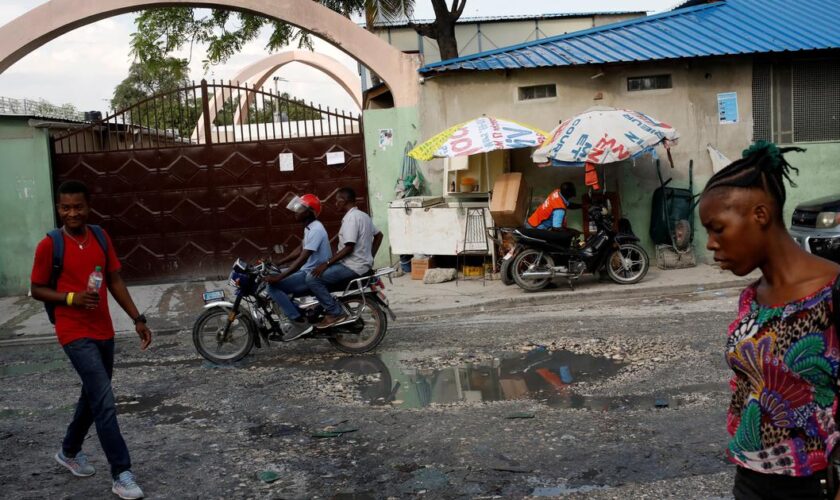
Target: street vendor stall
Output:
[{"x": 475, "y": 156}]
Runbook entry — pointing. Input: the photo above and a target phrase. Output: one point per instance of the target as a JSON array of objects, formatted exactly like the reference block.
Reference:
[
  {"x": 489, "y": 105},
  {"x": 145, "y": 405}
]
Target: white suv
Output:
[{"x": 816, "y": 227}]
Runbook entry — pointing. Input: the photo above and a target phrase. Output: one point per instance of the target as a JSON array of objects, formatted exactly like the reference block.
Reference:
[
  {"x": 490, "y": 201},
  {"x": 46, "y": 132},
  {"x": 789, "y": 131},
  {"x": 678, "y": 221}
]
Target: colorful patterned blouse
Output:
[{"x": 785, "y": 360}]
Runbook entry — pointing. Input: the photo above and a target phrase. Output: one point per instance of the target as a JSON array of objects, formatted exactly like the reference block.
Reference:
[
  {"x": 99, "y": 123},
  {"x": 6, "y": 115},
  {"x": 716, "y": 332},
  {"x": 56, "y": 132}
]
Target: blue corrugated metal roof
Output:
[{"x": 723, "y": 28}]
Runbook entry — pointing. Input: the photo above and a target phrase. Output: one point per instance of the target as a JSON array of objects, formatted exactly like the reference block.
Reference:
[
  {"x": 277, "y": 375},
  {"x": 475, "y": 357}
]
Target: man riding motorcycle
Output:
[
  {"x": 313, "y": 251},
  {"x": 358, "y": 241}
]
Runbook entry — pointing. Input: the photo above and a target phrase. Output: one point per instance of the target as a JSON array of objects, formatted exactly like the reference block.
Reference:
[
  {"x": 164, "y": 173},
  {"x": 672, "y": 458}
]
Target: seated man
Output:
[
  {"x": 313, "y": 251},
  {"x": 551, "y": 215},
  {"x": 358, "y": 241}
]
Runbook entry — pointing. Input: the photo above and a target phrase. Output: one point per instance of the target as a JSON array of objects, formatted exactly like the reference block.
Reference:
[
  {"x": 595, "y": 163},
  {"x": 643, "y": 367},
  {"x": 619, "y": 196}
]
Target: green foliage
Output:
[
  {"x": 148, "y": 78},
  {"x": 173, "y": 110},
  {"x": 163, "y": 31}
]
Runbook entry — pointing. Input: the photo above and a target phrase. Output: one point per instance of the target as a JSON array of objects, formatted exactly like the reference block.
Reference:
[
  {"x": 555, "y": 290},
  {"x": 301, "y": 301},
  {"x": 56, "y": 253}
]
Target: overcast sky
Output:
[{"x": 83, "y": 67}]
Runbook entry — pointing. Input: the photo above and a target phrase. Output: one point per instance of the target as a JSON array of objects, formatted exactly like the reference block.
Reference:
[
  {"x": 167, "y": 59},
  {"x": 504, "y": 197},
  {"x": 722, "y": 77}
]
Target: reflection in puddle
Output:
[{"x": 549, "y": 376}]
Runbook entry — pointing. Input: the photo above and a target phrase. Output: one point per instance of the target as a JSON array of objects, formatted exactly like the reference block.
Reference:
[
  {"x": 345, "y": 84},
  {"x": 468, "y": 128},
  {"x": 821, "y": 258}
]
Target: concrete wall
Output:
[
  {"x": 384, "y": 164},
  {"x": 494, "y": 35},
  {"x": 26, "y": 204},
  {"x": 690, "y": 106}
]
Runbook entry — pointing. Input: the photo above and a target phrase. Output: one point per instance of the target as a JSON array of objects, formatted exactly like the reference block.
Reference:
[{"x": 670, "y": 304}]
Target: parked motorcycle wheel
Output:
[
  {"x": 366, "y": 333},
  {"x": 207, "y": 333},
  {"x": 628, "y": 264},
  {"x": 531, "y": 260},
  {"x": 506, "y": 272}
]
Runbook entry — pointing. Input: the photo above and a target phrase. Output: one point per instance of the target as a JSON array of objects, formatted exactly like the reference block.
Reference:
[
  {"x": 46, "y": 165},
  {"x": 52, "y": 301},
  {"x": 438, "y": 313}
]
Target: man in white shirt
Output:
[{"x": 358, "y": 242}]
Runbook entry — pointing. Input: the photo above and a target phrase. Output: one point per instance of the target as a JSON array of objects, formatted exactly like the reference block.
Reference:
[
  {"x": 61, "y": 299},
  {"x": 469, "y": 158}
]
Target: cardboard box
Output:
[
  {"x": 419, "y": 266},
  {"x": 509, "y": 205}
]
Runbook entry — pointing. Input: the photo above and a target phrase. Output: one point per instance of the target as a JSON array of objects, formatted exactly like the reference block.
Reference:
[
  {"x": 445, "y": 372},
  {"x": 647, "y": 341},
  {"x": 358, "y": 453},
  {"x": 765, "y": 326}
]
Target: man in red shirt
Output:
[{"x": 84, "y": 329}]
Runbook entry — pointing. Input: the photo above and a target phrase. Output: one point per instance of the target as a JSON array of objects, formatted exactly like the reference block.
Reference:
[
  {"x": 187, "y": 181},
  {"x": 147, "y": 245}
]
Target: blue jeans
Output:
[
  {"x": 94, "y": 362},
  {"x": 336, "y": 274},
  {"x": 294, "y": 284}
]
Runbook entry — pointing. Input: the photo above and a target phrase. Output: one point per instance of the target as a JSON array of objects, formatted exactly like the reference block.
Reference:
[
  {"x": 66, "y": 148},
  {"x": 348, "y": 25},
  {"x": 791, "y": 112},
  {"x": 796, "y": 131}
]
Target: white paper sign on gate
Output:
[
  {"x": 286, "y": 161},
  {"x": 335, "y": 158}
]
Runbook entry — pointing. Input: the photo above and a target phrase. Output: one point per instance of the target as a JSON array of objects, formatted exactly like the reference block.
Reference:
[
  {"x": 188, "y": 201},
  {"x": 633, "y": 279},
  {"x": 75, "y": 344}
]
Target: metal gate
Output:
[{"x": 182, "y": 201}]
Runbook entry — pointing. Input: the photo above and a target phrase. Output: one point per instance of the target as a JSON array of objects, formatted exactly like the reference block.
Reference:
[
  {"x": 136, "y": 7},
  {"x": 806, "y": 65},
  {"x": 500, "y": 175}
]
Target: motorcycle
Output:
[
  {"x": 227, "y": 331},
  {"x": 539, "y": 256}
]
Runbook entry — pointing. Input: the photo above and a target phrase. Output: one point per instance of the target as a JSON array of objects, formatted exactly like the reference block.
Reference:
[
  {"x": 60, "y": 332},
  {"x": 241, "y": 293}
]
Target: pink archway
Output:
[
  {"x": 56, "y": 17},
  {"x": 258, "y": 72}
]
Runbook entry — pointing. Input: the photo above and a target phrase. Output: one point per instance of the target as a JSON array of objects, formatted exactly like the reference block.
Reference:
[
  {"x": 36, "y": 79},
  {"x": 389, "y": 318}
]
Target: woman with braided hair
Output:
[{"x": 782, "y": 347}]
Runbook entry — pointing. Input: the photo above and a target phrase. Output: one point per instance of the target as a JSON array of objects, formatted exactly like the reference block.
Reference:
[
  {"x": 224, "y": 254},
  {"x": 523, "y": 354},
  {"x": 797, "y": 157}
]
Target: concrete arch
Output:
[
  {"x": 257, "y": 74},
  {"x": 57, "y": 17}
]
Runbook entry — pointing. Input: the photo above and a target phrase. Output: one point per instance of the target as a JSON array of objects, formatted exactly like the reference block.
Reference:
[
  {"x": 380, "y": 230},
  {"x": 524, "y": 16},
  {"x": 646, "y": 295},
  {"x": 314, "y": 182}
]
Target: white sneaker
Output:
[
  {"x": 78, "y": 465},
  {"x": 126, "y": 487}
]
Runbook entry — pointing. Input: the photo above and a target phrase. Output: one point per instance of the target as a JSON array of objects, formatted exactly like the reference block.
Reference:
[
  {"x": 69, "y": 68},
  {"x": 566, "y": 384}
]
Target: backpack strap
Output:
[
  {"x": 57, "y": 266},
  {"x": 99, "y": 233}
]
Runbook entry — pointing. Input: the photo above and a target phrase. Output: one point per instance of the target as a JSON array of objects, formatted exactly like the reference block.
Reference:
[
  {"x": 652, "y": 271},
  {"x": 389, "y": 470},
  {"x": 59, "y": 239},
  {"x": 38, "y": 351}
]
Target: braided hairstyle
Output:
[{"x": 762, "y": 166}]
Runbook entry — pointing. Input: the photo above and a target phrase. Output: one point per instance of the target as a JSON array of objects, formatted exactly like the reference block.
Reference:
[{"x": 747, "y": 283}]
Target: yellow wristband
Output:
[{"x": 70, "y": 298}]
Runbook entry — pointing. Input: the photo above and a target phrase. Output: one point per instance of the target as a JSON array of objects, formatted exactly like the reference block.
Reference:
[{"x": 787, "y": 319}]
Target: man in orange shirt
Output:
[{"x": 551, "y": 215}]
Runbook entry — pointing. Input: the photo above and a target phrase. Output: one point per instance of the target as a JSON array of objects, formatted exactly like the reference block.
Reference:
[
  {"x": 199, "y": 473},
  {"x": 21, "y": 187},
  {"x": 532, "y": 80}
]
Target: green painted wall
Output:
[
  {"x": 819, "y": 175},
  {"x": 384, "y": 164},
  {"x": 26, "y": 205}
]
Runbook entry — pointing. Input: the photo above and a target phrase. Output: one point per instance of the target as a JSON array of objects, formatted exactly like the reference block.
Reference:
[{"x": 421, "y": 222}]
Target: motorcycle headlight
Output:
[{"x": 828, "y": 219}]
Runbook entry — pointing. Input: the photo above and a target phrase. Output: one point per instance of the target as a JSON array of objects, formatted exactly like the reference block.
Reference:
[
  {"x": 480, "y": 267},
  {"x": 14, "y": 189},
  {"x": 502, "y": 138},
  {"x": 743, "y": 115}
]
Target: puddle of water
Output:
[
  {"x": 153, "y": 406},
  {"x": 29, "y": 368},
  {"x": 168, "y": 362},
  {"x": 548, "y": 376},
  {"x": 538, "y": 374},
  {"x": 553, "y": 491}
]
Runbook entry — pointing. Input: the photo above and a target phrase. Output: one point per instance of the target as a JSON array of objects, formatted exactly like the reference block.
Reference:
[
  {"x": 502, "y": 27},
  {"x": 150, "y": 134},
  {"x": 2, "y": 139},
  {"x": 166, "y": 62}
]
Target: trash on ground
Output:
[
  {"x": 268, "y": 476},
  {"x": 520, "y": 415}
]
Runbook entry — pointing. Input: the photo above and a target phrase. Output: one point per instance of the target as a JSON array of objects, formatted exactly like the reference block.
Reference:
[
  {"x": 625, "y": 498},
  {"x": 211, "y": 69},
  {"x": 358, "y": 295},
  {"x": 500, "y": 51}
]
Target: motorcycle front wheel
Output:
[
  {"x": 216, "y": 347},
  {"x": 366, "y": 332},
  {"x": 531, "y": 260},
  {"x": 628, "y": 264}
]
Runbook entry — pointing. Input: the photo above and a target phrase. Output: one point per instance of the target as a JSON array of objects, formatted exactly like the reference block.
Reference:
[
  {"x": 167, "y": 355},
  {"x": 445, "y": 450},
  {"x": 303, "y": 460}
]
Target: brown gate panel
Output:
[
  {"x": 182, "y": 202},
  {"x": 186, "y": 211}
]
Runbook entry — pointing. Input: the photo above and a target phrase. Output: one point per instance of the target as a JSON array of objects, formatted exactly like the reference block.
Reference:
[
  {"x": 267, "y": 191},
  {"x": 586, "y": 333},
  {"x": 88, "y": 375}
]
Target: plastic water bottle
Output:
[{"x": 95, "y": 280}]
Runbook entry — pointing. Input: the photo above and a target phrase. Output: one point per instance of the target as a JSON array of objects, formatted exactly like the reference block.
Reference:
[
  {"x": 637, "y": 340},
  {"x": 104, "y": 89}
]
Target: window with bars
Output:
[
  {"x": 796, "y": 101},
  {"x": 655, "y": 82},
  {"x": 537, "y": 92}
]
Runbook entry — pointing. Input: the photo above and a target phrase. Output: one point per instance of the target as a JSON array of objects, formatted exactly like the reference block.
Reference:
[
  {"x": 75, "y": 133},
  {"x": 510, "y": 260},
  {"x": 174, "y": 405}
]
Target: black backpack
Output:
[{"x": 58, "y": 260}]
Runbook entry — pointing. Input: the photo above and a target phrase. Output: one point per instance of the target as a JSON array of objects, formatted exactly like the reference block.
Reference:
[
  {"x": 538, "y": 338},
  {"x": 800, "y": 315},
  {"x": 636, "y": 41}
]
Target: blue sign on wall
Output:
[{"x": 728, "y": 107}]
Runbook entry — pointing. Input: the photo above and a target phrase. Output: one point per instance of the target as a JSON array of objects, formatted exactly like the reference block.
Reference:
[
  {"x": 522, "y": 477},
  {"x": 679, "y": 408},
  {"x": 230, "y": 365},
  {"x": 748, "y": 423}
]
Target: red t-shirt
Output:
[{"x": 73, "y": 323}]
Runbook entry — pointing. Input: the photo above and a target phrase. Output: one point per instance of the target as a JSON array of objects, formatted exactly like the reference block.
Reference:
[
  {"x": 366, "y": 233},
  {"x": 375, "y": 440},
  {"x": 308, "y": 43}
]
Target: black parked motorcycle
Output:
[
  {"x": 540, "y": 256},
  {"x": 227, "y": 331}
]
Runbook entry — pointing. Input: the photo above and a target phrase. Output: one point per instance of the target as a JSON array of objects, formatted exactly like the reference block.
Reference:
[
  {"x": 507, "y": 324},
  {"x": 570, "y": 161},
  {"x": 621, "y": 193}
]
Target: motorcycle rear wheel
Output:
[
  {"x": 506, "y": 272},
  {"x": 636, "y": 260},
  {"x": 207, "y": 332},
  {"x": 373, "y": 323},
  {"x": 531, "y": 260}
]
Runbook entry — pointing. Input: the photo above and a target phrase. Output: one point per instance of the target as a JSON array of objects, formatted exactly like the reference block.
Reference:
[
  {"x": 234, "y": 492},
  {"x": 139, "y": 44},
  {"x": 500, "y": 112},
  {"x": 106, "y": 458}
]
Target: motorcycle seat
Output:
[{"x": 562, "y": 238}]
